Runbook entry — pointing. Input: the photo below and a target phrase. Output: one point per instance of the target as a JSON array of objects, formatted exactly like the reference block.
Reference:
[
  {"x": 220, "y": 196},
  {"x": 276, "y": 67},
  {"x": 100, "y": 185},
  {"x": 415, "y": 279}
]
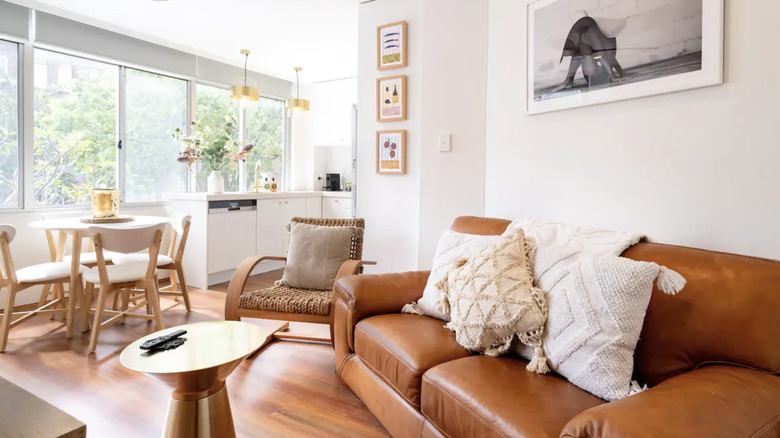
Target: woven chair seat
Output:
[{"x": 287, "y": 300}]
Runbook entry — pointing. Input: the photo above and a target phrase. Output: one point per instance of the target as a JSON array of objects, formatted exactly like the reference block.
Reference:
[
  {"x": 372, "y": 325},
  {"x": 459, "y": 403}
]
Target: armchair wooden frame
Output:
[{"x": 354, "y": 266}]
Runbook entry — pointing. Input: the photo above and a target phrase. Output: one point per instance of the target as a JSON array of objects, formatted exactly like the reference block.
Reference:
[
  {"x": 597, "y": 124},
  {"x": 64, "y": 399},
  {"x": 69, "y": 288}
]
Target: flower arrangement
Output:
[{"x": 214, "y": 147}]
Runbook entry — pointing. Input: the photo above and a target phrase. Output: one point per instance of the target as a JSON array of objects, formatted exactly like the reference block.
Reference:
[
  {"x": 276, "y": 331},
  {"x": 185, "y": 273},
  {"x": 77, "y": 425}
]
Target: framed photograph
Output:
[
  {"x": 391, "y": 46},
  {"x": 586, "y": 53},
  {"x": 391, "y": 152},
  {"x": 391, "y": 99}
]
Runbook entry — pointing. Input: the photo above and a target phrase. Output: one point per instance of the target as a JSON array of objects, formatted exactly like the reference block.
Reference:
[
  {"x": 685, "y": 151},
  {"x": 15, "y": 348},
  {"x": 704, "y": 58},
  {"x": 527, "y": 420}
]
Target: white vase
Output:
[{"x": 215, "y": 183}]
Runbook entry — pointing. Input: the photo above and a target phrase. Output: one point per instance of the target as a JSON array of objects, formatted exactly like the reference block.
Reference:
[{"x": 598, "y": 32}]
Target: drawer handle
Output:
[
  {"x": 286, "y": 202},
  {"x": 336, "y": 201},
  {"x": 280, "y": 202}
]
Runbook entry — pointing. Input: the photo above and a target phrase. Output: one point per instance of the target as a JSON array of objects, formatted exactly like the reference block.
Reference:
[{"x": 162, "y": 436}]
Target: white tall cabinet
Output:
[{"x": 230, "y": 227}]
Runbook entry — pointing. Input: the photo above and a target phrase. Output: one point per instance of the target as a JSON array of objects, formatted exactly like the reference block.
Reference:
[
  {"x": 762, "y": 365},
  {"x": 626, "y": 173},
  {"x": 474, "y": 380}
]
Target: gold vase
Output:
[{"x": 105, "y": 203}]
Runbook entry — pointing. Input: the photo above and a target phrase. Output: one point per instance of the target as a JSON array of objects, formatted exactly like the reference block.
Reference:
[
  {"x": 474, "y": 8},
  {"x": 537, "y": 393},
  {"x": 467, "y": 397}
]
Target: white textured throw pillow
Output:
[
  {"x": 596, "y": 310},
  {"x": 452, "y": 246}
]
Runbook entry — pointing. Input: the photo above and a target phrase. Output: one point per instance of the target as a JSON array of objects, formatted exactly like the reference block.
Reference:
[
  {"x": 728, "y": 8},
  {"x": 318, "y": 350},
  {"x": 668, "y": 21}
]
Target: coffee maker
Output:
[{"x": 332, "y": 182}]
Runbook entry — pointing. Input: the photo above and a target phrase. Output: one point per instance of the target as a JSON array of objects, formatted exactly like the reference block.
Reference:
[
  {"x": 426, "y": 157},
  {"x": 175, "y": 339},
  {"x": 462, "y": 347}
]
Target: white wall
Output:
[
  {"x": 447, "y": 80},
  {"x": 328, "y": 123},
  {"x": 697, "y": 168},
  {"x": 389, "y": 203},
  {"x": 454, "y": 87}
]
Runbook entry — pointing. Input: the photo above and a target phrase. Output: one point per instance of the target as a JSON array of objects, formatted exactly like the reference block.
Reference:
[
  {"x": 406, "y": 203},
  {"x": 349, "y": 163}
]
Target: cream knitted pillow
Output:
[
  {"x": 452, "y": 246},
  {"x": 490, "y": 298}
]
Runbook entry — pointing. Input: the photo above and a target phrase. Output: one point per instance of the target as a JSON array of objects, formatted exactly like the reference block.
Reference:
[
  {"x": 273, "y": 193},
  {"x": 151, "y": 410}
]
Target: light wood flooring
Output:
[{"x": 288, "y": 389}]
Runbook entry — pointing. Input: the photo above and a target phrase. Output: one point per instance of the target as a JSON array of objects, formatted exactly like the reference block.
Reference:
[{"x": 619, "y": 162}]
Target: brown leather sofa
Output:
[{"x": 711, "y": 356}]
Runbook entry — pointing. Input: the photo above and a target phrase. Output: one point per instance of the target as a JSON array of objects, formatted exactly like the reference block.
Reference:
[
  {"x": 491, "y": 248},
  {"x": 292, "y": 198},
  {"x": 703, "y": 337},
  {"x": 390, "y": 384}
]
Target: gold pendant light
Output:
[
  {"x": 297, "y": 103},
  {"x": 243, "y": 91}
]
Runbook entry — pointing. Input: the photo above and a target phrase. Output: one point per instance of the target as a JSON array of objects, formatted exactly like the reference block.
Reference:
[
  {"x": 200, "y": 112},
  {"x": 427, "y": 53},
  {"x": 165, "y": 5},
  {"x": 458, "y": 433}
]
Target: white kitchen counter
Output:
[
  {"x": 341, "y": 194},
  {"x": 231, "y": 196}
]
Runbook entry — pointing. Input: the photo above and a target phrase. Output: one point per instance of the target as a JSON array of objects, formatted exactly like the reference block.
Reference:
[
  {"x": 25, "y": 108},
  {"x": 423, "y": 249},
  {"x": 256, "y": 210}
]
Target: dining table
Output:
[{"x": 77, "y": 229}]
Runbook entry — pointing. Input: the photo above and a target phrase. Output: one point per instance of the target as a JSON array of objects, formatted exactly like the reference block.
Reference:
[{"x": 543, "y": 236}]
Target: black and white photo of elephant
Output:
[{"x": 592, "y": 51}]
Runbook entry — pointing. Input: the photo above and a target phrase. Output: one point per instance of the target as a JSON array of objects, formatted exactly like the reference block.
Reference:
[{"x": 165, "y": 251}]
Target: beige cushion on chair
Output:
[
  {"x": 44, "y": 272},
  {"x": 288, "y": 300},
  {"x": 123, "y": 259},
  {"x": 118, "y": 273},
  {"x": 316, "y": 253}
]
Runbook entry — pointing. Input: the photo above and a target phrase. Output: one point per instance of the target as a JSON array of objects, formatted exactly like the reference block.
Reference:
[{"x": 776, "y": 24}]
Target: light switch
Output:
[{"x": 445, "y": 142}]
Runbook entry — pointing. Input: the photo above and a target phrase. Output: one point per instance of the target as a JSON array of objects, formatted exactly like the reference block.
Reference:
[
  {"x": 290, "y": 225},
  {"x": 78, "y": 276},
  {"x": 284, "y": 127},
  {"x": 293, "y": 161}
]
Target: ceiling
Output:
[{"x": 318, "y": 35}]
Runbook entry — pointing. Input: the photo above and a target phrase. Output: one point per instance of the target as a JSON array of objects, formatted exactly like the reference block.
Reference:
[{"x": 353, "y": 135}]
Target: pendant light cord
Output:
[{"x": 246, "y": 59}]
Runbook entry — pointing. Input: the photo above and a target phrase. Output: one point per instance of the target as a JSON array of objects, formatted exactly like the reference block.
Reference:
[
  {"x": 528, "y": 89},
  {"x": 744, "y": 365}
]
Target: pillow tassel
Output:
[
  {"x": 538, "y": 363},
  {"x": 444, "y": 303},
  {"x": 669, "y": 281},
  {"x": 412, "y": 308}
]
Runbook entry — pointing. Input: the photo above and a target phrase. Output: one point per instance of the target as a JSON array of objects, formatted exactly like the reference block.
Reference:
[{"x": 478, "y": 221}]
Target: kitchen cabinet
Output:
[
  {"x": 337, "y": 208},
  {"x": 272, "y": 219}
]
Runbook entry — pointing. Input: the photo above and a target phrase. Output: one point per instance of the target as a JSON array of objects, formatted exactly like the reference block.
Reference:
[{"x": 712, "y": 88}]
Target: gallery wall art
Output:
[
  {"x": 391, "y": 99},
  {"x": 582, "y": 52},
  {"x": 391, "y": 152},
  {"x": 391, "y": 46}
]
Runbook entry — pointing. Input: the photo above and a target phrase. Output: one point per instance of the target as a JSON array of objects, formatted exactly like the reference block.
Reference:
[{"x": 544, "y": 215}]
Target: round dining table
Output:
[{"x": 77, "y": 229}]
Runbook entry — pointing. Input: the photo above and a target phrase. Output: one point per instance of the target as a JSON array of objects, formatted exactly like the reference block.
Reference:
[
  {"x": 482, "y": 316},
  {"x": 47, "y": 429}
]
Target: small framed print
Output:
[
  {"x": 391, "y": 46},
  {"x": 391, "y": 152},
  {"x": 391, "y": 99}
]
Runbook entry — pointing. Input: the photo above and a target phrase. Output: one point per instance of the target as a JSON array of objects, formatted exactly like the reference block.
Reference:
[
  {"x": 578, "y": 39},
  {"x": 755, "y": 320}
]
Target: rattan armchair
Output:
[{"x": 284, "y": 303}]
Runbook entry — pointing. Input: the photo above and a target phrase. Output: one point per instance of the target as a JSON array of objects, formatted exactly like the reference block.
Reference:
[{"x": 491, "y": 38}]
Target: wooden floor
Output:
[{"x": 289, "y": 389}]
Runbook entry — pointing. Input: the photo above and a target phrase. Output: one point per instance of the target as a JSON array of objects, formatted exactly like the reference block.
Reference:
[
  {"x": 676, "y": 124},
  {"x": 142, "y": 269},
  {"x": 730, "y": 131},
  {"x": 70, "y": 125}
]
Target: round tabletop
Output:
[
  {"x": 75, "y": 224},
  {"x": 209, "y": 344}
]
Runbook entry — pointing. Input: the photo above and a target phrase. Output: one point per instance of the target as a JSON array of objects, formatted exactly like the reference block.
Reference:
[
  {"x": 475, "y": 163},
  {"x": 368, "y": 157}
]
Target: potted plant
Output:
[{"x": 214, "y": 147}]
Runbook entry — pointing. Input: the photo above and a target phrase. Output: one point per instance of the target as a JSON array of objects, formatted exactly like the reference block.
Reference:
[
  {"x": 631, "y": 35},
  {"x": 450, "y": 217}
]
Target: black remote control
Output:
[{"x": 151, "y": 344}]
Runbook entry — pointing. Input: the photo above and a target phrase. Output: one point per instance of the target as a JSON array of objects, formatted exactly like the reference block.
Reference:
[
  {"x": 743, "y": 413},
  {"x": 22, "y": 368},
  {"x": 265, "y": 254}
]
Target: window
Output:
[
  {"x": 9, "y": 124},
  {"x": 265, "y": 130},
  {"x": 154, "y": 106},
  {"x": 212, "y": 106},
  {"x": 75, "y": 128}
]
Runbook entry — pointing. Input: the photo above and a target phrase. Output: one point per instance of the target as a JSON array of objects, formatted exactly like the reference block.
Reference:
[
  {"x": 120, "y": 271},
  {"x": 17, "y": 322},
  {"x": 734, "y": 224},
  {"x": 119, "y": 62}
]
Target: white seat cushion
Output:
[
  {"x": 45, "y": 272},
  {"x": 118, "y": 273},
  {"x": 90, "y": 258},
  {"x": 121, "y": 259}
]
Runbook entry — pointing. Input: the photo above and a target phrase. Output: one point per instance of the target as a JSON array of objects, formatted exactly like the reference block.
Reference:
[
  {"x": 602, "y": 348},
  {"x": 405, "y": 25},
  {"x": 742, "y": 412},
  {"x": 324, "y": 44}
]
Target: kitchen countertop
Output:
[{"x": 232, "y": 196}]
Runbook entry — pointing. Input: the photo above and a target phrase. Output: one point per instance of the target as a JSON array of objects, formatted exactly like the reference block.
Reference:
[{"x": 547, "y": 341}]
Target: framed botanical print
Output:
[
  {"x": 391, "y": 99},
  {"x": 391, "y": 152},
  {"x": 391, "y": 46}
]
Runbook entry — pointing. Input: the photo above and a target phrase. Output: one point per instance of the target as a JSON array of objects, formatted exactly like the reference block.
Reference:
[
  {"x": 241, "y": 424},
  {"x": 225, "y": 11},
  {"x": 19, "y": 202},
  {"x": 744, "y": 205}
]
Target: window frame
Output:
[
  {"x": 26, "y": 113},
  {"x": 20, "y": 131},
  {"x": 242, "y": 135}
]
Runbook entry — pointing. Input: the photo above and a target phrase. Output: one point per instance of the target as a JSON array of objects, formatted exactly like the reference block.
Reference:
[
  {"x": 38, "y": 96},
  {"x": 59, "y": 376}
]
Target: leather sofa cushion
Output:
[
  {"x": 488, "y": 396},
  {"x": 399, "y": 348}
]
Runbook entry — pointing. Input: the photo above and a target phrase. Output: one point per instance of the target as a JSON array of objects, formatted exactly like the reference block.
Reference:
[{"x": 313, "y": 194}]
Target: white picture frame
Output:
[{"x": 710, "y": 73}]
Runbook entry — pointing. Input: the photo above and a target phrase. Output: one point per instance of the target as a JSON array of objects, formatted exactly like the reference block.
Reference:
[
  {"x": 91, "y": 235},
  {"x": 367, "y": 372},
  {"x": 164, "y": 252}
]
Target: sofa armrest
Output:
[
  {"x": 712, "y": 401},
  {"x": 358, "y": 297}
]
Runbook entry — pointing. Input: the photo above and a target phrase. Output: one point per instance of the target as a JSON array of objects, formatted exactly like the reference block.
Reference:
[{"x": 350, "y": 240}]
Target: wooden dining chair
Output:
[
  {"x": 57, "y": 254},
  {"x": 173, "y": 262},
  {"x": 54, "y": 274},
  {"x": 122, "y": 278}
]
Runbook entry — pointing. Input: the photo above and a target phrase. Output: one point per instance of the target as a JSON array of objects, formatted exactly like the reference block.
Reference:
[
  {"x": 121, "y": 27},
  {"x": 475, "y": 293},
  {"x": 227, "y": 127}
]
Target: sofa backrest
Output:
[{"x": 729, "y": 311}]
